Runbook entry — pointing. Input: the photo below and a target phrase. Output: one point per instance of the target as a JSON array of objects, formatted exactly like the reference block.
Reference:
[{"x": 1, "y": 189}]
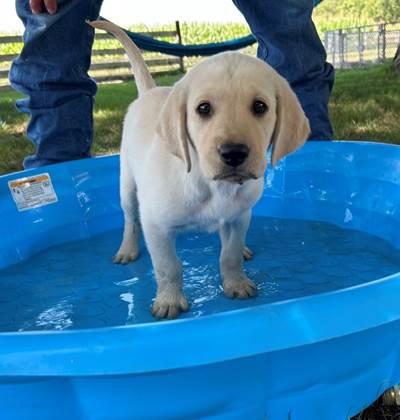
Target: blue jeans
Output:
[
  {"x": 288, "y": 41},
  {"x": 52, "y": 72}
]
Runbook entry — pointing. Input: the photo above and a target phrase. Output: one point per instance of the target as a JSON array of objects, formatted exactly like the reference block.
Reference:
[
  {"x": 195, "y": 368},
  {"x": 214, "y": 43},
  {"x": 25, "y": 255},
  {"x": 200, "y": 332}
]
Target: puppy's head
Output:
[{"x": 229, "y": 109}]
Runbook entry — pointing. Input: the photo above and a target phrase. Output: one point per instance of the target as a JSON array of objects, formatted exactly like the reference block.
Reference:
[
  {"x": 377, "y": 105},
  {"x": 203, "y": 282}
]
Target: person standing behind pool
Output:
[
  {"x": 52, "y": 69},
  {"x": 288, "y": 41}
]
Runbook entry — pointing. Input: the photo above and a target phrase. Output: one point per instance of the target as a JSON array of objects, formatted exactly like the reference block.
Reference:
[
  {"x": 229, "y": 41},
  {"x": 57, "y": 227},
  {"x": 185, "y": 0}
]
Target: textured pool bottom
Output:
[{"x": 77, "y": 286}]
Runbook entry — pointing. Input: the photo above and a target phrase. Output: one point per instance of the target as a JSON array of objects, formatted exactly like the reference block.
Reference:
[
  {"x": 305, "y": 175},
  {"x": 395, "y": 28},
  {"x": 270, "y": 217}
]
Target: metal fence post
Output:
[
  {"x": 384, "y": 41},
  {"x": 381, "y": 42},
  {"x": 341, "y": 56},
  {"x": 326, "y": 42},
  {"x": 334, "y": 48}
]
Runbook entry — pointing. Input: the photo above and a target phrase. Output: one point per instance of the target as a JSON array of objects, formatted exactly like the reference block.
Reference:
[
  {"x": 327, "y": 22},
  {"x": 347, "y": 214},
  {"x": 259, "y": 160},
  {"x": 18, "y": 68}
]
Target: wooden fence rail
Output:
[{"x": 109, "y": 62}]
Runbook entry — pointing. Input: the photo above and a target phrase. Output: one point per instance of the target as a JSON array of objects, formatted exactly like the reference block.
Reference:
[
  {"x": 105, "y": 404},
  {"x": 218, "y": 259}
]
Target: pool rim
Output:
[{"x": 139, "y": 348}]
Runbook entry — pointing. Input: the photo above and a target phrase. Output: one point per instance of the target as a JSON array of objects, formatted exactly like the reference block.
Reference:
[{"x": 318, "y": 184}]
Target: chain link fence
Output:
[{"x": 362, "y": 45}]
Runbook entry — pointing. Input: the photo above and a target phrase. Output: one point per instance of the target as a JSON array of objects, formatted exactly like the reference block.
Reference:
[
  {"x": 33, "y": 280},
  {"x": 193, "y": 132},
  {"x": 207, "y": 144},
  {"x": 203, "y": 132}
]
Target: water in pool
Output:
[{"x": 77, "y": 286}]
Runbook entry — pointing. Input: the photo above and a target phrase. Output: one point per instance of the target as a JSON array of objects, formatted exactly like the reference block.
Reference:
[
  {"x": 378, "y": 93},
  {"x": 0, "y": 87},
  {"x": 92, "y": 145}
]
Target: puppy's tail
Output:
[{"x": 143, "y": 78}]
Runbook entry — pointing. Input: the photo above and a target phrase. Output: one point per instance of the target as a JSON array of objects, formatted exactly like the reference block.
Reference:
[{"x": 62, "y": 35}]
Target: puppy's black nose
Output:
[{"x": 233, "y": 154}]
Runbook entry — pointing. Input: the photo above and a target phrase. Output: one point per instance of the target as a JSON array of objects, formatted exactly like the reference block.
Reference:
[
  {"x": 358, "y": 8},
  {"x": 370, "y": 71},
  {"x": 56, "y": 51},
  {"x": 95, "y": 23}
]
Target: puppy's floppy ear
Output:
[
  {"x": 172, "y": 124},
  {"x": 291, "y": 128}
]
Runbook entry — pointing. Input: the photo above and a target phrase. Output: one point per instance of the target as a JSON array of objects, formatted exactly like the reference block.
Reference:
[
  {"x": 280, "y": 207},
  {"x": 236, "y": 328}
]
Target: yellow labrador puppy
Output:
[{"x": 194, "y": 155}]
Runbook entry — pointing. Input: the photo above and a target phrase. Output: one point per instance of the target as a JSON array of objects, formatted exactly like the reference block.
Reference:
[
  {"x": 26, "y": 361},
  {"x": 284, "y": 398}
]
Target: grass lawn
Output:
[{"x": 365, "y": 105}]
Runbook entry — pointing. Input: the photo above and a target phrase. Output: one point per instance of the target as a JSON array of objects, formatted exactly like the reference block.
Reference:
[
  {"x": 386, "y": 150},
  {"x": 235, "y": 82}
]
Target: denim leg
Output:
[
  {"x": 51, "y": 71},
  {"x": 288, "y": 41}
]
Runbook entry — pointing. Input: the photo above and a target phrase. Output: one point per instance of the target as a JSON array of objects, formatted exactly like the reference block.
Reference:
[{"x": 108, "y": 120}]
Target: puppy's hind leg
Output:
[
  {"x": 129, "y": 249},
  {"x": 247, "y": 253}
]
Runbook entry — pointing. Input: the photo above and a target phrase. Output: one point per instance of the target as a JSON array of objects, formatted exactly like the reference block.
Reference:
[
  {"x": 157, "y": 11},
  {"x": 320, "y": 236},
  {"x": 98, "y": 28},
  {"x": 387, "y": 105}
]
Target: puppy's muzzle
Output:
[{"x": 233, "y": 154}]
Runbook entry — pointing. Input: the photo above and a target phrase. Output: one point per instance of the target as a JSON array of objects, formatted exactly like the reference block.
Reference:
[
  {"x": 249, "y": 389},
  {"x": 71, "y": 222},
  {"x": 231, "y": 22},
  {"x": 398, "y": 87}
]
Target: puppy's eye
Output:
[
  {"x": 259, "y": 107},
  {"x": 204, "y": 109}
]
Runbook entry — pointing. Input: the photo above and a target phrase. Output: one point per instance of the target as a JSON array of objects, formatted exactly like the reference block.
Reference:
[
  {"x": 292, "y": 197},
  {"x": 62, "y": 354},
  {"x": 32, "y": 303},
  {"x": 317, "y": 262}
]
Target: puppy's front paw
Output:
[
  {"x": 125, "y": 256},
  {"x": 169, "y": 306},
  {"x": 242, "y": 288}
]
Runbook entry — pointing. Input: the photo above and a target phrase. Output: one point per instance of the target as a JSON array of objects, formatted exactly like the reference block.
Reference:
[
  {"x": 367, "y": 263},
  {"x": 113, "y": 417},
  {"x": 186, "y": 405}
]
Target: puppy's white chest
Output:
[{"x": 222, "y": 202}]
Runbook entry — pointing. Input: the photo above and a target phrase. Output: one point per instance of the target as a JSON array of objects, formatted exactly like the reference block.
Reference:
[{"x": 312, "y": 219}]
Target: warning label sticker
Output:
[{"x": 32, "y": 192}]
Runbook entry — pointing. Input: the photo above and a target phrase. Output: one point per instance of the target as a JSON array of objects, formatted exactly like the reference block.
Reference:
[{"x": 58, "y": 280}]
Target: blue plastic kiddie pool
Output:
[{"x": 320, "y": 341}]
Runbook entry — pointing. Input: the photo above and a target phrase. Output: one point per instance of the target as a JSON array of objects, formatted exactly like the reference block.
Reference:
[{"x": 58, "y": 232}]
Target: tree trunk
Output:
[{"x": 396, "y": 59}]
